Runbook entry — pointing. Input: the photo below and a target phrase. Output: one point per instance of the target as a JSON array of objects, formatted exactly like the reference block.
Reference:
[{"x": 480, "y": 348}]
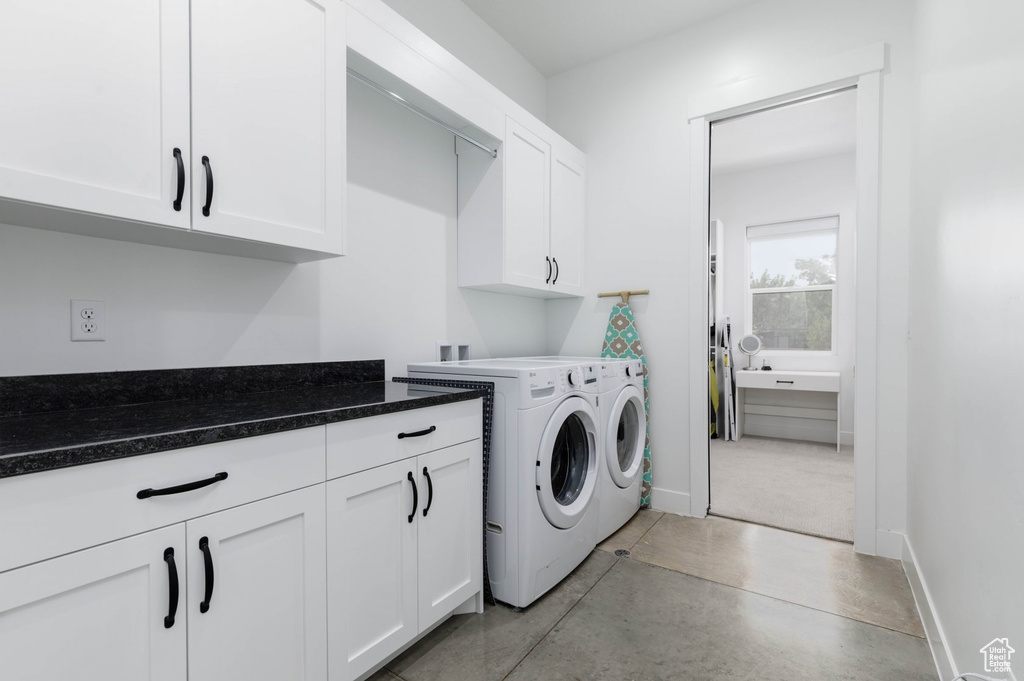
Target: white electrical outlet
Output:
[{"x": 88, "y": 320}]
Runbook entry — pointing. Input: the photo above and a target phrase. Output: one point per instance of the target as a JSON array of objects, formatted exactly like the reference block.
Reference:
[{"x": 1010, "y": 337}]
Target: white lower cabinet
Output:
[
  {"x": 450, "y": 530},
  {"x": 102, "y": 613},
  {"x": 404, "y": 548},
  {"x": 246, "y": 588},
  {"x": 248, "y": 568},
  {"x": 257, "y": 591},
  {"x": 371, "y": 565}
]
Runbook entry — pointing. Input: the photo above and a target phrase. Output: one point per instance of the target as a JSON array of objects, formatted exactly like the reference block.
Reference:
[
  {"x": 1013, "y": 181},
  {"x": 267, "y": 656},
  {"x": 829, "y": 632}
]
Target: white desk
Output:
[{"x": 813, "y": 381}]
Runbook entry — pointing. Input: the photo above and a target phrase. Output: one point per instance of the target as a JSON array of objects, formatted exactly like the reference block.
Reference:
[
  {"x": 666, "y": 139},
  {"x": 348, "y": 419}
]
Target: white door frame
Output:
[{"x": 861, "y": 68}]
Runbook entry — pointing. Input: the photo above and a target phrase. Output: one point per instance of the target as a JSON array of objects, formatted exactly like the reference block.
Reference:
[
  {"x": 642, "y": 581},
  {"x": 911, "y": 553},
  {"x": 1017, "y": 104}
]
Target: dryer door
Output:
[
  {"x": 567, "y": 463},
  {"x": 626, "y": 437}
]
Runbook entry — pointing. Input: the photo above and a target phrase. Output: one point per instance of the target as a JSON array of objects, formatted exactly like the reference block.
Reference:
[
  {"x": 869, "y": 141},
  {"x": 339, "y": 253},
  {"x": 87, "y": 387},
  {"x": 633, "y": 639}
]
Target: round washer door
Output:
[
  {"x": 626, "y": 436},
  {"x": 567, "y": 463}
]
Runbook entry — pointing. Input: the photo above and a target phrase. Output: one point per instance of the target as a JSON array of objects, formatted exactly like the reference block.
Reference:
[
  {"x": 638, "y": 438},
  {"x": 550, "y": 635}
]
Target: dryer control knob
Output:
[
  {"x": 573, "y": 378},
  {"x": 629, "y": 372}
]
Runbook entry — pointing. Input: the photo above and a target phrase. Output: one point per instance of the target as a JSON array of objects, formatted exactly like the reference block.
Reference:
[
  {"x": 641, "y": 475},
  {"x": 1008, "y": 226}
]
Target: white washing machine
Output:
[
  {"x": 623, "y": 432},
  {"x": 542, "y": 509}
]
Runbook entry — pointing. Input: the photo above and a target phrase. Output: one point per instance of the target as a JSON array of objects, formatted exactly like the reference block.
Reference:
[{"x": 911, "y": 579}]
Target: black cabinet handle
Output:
[
  {"x": 548, "y": 258},
  {"x": 415, "y": 497},
  {"x": 418, "y": 433},
  {"x": 204, "y": 546},
  {"x": 430, "y": 491},
  {"x": 178, "y": 489},
  {"x": 209, "y": 186},
  {"x": 181, "y": 179},
  {"x": 555, "y": 260},
  {"x": 172, "y": 576},
  {"x": 790, "y": 382}
]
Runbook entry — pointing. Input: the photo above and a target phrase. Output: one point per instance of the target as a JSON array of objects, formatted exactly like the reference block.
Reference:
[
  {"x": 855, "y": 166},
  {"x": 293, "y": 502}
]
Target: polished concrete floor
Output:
[{"x": 694, "y": 599}]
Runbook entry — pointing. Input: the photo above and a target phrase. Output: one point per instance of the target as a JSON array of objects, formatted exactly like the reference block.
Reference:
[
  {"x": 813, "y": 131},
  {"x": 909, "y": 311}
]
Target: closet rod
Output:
[{"x": 419, "y": 112}]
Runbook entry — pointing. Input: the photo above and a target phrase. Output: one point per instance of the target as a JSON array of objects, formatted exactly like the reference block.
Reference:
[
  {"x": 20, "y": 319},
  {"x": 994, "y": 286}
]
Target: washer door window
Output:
[
  {"x": 567, "y": 463},
  {"x": 626, "y": 436}
]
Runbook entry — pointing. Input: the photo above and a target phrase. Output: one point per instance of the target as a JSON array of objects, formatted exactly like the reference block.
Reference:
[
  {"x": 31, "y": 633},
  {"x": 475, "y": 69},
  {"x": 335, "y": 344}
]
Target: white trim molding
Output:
[
  {"x": 841, "y": 70},
  {"x": 945, "y": 667},
  {"x": 890, "y": 544},
  {"x": 670, "y": 501},
  {"x": 861, "y": 68}
]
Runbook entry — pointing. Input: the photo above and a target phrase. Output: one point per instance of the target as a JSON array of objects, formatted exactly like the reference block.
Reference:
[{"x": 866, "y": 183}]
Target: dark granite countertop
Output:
[{"x": 98, "y": 431}]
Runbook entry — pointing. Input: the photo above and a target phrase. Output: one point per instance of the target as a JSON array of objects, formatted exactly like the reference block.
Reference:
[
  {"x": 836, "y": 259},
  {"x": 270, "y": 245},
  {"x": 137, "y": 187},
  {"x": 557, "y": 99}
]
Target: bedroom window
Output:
[{"x": 792, "y": 287}]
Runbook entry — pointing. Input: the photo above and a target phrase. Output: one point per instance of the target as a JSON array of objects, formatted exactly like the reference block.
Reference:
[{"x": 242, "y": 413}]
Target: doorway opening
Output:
[{"x": 781, "y": 315}]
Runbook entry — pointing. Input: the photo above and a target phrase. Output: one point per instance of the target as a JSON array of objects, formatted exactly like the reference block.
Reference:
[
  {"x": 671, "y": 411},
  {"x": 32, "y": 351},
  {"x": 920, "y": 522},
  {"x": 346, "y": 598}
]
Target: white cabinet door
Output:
[
  {"x": 95, "y": 101},
  {"x": 257, "y": 591},
  {"x": 527, "y": 215},
  {"x": 568, "y": 211},
  {"x": 268, "y": 115},
  {"x": 97, "y": 614},
  {"x": 450, "y": 530},
  {"x": 371, "y": 566}
]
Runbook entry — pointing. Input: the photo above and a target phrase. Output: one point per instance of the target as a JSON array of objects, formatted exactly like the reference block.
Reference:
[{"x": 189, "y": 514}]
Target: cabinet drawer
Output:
[
  {"x": 48, "y": 514},
  {"x": 789, "y": 380},
  {"x": 360, "y": 444}
]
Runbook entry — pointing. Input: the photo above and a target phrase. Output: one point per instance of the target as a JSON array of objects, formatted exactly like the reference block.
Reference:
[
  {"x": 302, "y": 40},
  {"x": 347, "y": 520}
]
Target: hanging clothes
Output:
[
  {"x": 712, "y": 400},
  {"x": 729, "y": 380},
  {"x": 622, "y": 340}
]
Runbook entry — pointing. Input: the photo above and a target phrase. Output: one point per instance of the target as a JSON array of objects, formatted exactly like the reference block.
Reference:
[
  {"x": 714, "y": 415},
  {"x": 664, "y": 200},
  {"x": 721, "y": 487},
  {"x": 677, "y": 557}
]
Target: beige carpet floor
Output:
[{"x": 800, "y": 486}]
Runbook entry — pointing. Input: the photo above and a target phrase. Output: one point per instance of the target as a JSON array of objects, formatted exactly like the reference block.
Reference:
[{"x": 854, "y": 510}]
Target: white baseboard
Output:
[
  {"x": 890, "y": 544},
  {"x": 671, "y": 501},
  {"x": 944, "y": 664}
]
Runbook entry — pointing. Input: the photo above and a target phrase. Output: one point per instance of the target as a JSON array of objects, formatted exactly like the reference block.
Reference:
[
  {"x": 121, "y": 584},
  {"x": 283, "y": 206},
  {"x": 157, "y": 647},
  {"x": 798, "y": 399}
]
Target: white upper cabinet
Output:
[
  {"x": 95, "y": 102},
  {"x": 99, "y": 116},
  {"x": 568, "y": 219},
  {"x": 268, "y": 120},
  {"x": 522, "y": 216},
  {"x": 528, "y": 208}
]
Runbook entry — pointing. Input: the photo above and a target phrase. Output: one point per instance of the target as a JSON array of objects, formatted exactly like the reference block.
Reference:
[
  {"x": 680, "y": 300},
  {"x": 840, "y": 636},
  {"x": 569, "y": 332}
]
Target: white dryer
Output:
[
  {"x": 623, "y": 438},
  {"x": 624, "y": 419},
  {"x": 542, "y": 509}
]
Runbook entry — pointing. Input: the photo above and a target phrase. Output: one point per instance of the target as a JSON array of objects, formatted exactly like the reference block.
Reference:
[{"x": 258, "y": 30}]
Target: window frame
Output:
[{"x": 790, "y": 229}]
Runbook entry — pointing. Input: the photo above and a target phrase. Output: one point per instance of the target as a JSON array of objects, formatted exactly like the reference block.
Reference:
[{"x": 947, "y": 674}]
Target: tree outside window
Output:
[{"x": 792, "y": 285}]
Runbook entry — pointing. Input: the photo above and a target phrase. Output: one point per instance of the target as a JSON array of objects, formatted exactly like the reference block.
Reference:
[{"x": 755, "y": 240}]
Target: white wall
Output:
[
  {"x": 629, "y": 113},
  {"x": 966, "y": 460},
  {"x": 391, "y": 298},
  {"x": 782, "y": 193},
  {"x": 460, "y": 31}
]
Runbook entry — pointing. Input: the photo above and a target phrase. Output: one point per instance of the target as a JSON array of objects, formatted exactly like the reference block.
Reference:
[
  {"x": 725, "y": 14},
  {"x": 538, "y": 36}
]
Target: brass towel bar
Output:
[{"x": 624, "y": 294}]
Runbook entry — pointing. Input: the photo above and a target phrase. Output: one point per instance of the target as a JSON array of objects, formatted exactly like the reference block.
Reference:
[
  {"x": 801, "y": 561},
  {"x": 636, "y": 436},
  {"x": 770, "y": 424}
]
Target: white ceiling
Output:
[
  {"x": 812, "y": 129},
  {"x": 557, "y": 35}
]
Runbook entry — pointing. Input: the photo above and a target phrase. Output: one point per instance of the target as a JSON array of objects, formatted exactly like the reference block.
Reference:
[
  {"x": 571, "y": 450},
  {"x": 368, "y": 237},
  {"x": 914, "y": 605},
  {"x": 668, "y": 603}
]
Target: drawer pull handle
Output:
[
  {"x": 181, "y": 180},
  {"x": 415, "y": 497},
  {"x": 418, "y": 433},
  {"x": 430, "y": 491},
  {"x": 789, "y": 382},
  {"x": 178, "y": 489},
  {"x": 172, "y": 576},
  {"x": 204, "y": 546},
  {"x": 209, "y": 186}
]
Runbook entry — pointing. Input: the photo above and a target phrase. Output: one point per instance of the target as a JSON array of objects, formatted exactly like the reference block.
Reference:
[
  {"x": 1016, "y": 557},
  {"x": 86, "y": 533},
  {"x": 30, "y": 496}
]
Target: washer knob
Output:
[
  {"x": 573, "y": 380},
  {"x": 629, "y": 372}
]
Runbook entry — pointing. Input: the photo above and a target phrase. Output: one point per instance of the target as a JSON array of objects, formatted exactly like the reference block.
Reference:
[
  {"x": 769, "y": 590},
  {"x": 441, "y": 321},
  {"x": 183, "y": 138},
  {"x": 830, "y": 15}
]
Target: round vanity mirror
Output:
[{"x": 750, "y": 345}]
